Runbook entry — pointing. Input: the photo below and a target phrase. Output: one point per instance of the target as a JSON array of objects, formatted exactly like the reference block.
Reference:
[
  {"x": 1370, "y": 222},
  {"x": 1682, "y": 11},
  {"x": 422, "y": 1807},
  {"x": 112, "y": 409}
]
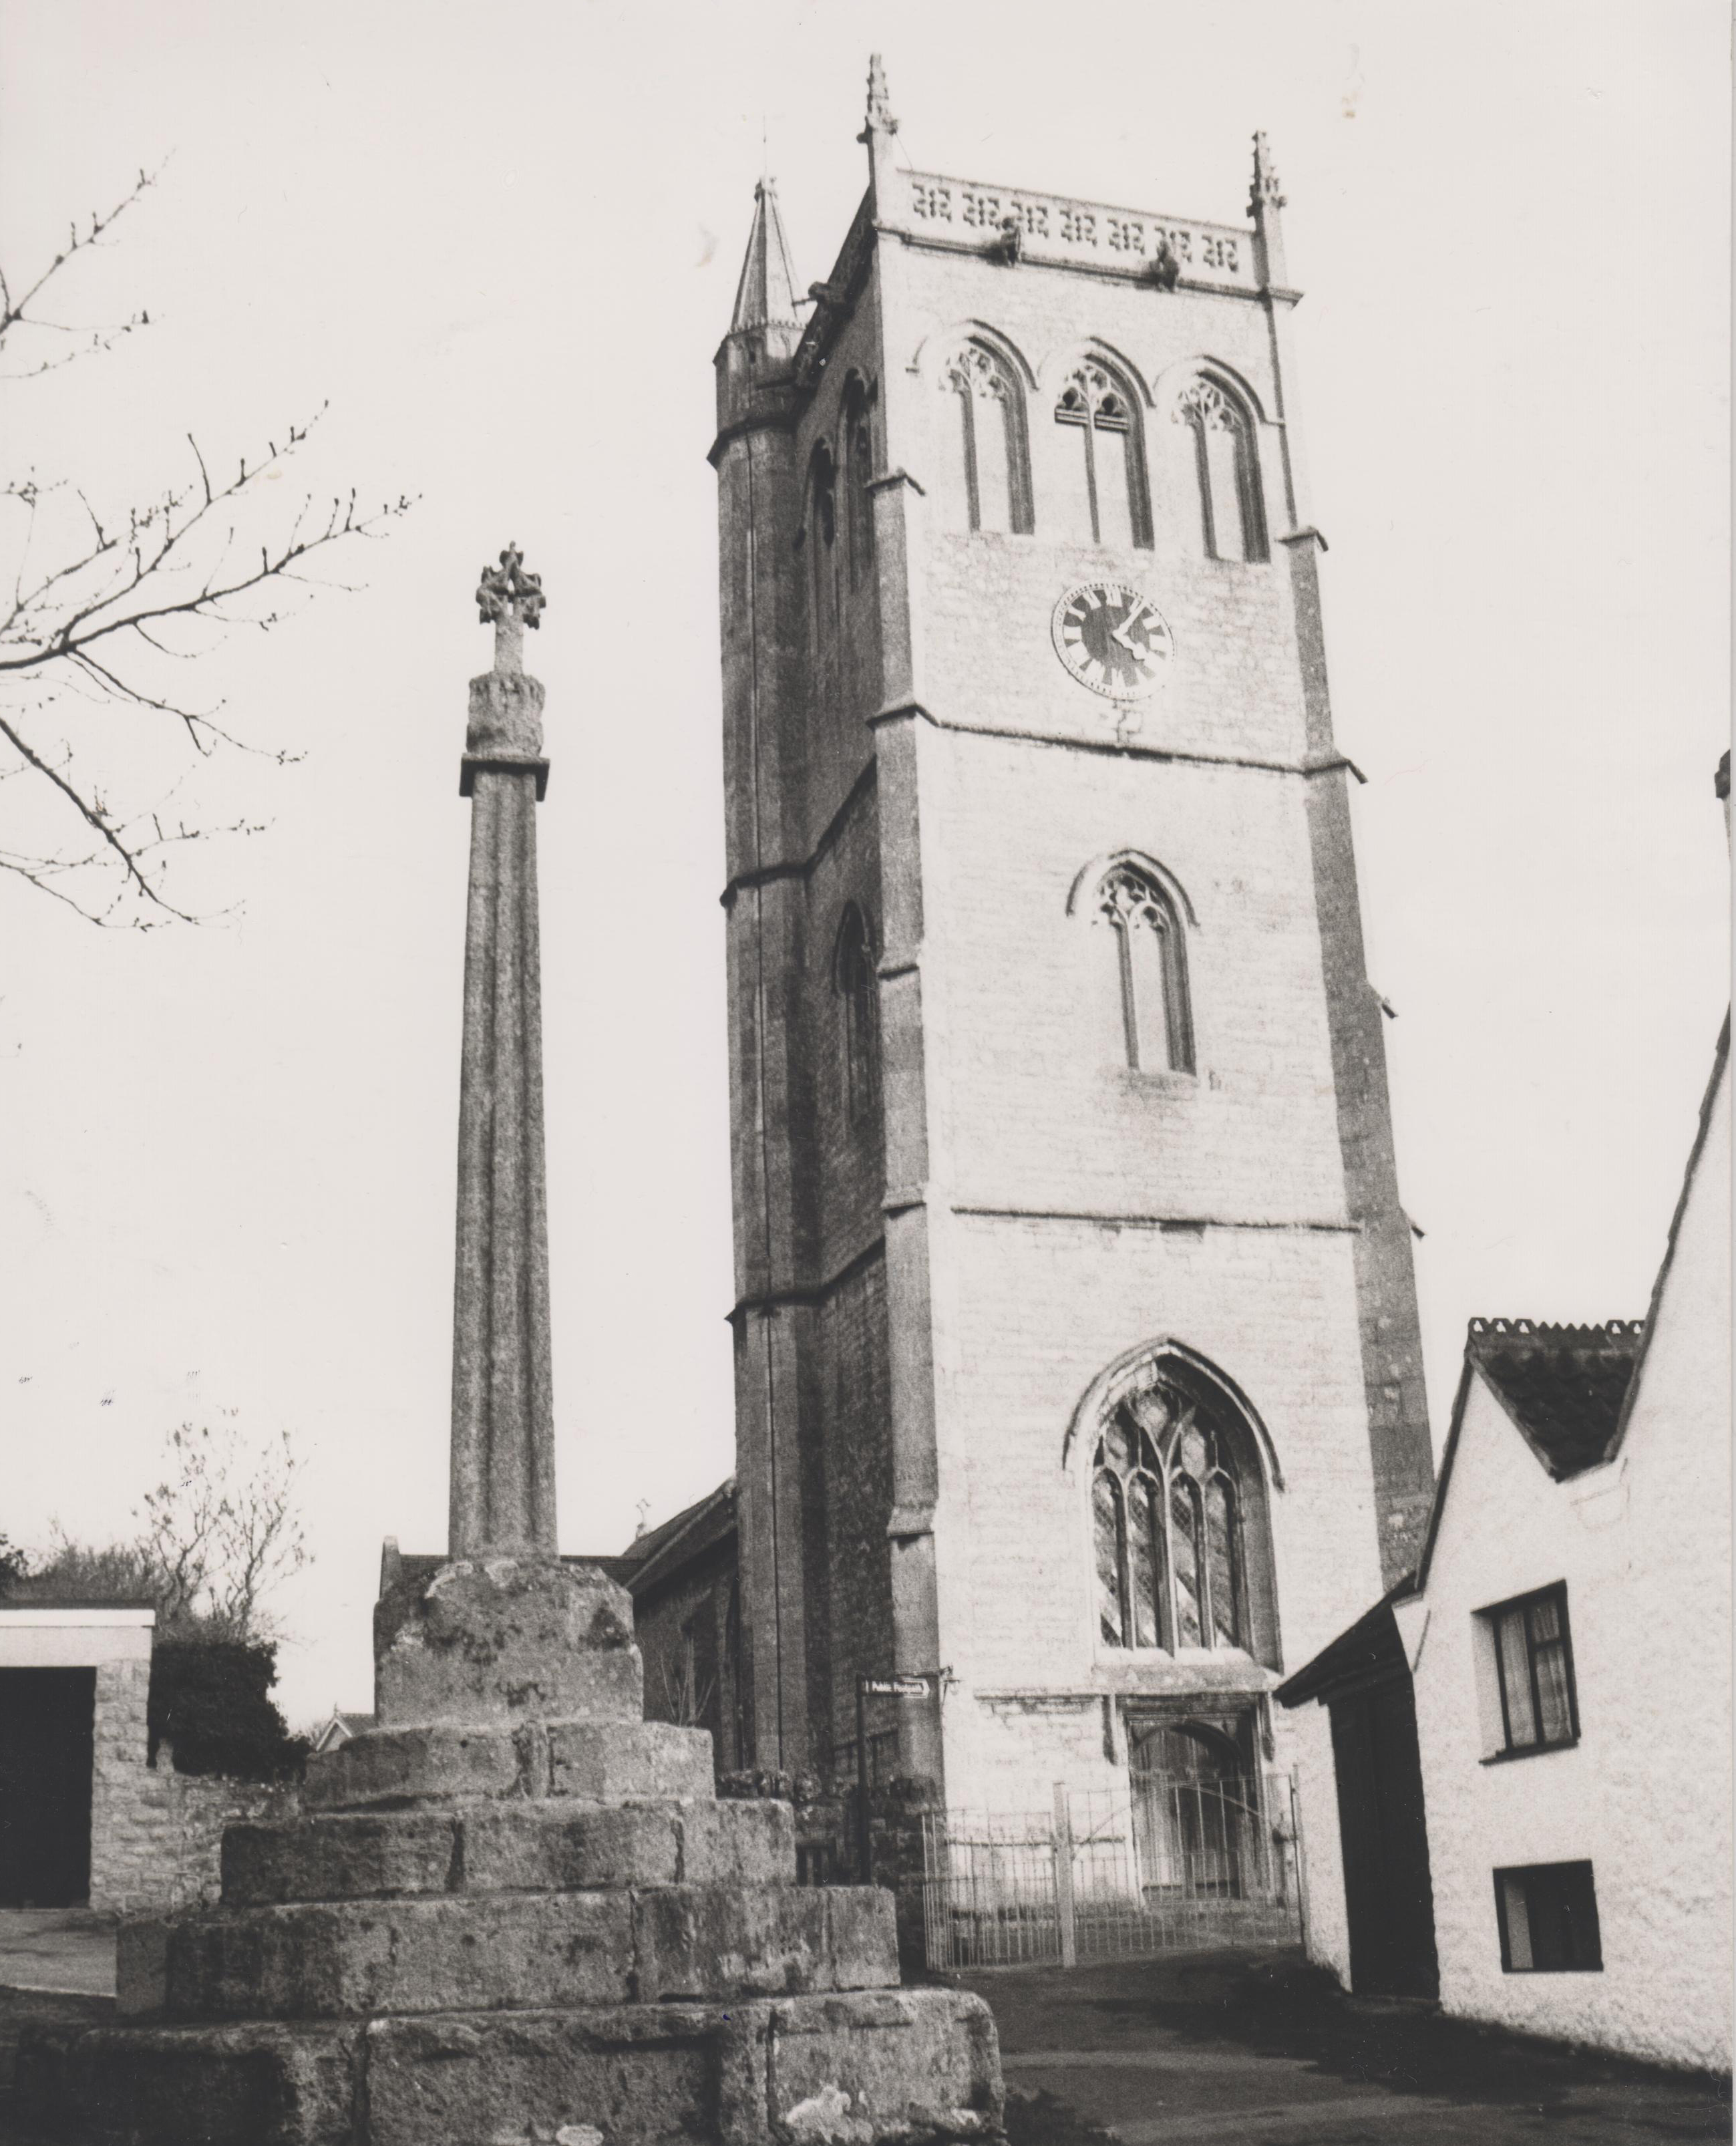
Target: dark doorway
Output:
[
  {"x": 1388, "y": 1900},
  {"x": 48, "y": 1720}
]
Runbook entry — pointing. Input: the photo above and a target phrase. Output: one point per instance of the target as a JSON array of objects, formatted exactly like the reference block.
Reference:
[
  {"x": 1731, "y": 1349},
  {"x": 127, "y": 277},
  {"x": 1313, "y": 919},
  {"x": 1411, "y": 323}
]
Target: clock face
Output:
[{"x": 1113, "y": 639}]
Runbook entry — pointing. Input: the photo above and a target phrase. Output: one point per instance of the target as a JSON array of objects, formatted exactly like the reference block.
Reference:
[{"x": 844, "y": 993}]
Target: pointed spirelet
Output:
[
  {"x": 1265, "y": 199},
  {"x": 879, "y": 117},
  {"x": 765, "y": 295},
  {"x": 878, "y": 129}
]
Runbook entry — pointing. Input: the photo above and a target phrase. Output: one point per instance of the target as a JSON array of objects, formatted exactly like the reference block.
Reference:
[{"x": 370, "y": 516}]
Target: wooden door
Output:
[
  {"x": 46, "y": 1731},
  {"x": 1388, "y": 1900}
]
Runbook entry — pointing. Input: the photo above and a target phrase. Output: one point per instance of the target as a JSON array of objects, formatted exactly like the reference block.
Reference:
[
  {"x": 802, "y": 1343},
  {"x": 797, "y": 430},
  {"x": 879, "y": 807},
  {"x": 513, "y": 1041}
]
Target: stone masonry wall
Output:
[{"x": 155, "y": 1836}]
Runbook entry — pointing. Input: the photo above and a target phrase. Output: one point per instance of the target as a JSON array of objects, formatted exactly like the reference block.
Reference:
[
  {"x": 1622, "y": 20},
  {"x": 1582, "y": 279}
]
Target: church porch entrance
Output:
[{"x": 1194, "y": 1845}]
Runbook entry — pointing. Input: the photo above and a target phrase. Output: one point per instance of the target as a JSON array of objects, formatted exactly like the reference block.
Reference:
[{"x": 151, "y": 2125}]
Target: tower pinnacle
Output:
[
  {"x": 880, "y": 119},
  {"x": 765, "y": 295},
  {"x": 1266, "y": 199},
  {"x": 879, "y": 126}
]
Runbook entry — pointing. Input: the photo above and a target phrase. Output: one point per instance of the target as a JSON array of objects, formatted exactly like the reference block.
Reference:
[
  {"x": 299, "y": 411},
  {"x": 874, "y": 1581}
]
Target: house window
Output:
[
  {"x": 986, "y": 477},
  {"x": 1166, "y": 1512},
  {"x": 1232, "y": 518},
  {"x": 1101, "y": 474},
  {"x": 1534, "y": 1665},
  {"x": 1157, "y": 1032},
  {"x": 854, "y": 977},
  {"x": 1547, "y": 1914}
]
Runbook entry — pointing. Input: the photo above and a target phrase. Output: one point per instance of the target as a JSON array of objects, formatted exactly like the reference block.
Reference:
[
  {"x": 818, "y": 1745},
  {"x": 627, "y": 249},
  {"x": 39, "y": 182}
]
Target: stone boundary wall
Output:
[
  {"x": 826, "y": 1822},
  {"x": 157, "y": 1835}
]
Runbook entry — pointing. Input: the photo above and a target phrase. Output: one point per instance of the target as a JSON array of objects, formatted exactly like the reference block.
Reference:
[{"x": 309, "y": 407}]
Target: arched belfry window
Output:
[
  {"x": 1101, "y": 496},
  {"x": 986, "y": 472},
  {"x": 820, "y": 534},
  {"x": 1149, "y": 982},
  {"x": 857, "y": 988},
  {"x": 857, "y": 445},
  {"x": 1168, "y": 1523},
  {"x": 1232, "y": 518}
]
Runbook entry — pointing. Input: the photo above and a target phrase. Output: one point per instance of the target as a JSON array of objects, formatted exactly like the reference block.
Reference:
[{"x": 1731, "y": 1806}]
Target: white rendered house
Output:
[{"x": 1566, "y": 1645}]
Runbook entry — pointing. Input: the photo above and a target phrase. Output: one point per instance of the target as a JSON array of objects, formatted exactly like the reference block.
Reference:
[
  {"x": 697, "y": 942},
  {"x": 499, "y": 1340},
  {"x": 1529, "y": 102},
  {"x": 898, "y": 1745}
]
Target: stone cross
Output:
[
  {"x": 510, "y": 600},
  {"x": 503, "y": 1438}
]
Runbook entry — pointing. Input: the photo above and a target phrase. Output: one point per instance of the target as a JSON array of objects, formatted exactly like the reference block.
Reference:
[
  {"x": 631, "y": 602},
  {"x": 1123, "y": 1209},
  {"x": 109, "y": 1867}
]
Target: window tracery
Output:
[
  {"x": 1150, "y": 970},
  {"x": 1231, "y": 517},
  {"x": 1167, "y": 1525},
  {"x": 990, "y": 478},
  {"x": 1103, "y": 486}
]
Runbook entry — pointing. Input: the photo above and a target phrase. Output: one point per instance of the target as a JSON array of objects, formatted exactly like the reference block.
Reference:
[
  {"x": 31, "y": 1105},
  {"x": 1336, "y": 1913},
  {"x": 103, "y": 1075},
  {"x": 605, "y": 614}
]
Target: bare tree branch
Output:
[{"x": 121, "y": 596}]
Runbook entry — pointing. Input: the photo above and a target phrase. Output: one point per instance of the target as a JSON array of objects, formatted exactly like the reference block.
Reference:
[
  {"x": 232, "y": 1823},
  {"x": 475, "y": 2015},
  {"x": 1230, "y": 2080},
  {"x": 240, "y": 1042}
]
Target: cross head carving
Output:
[{"x": 509, "y": 599}]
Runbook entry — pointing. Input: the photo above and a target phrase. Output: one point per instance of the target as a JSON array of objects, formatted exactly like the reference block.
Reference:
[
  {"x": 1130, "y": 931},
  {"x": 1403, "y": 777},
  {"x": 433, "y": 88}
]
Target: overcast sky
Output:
[{"x": 502, "y": 244}]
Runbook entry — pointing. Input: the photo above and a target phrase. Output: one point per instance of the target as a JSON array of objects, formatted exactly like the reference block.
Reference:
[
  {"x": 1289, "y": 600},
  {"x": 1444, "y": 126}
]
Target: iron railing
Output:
[{"x": 1161, "y": 1864}]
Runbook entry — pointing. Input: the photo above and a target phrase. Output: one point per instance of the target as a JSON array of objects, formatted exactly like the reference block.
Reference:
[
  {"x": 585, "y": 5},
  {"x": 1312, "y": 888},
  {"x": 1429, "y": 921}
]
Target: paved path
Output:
[
  {"x": 1258, "y": 2050},
  {"x": 64, "y": 1948}
]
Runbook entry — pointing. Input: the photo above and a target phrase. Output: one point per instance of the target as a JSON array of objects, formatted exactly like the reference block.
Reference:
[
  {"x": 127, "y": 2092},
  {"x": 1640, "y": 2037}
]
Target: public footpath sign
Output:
[
  {"x": 896, "y": 1687},
  {"x": 881, "y": 1687}
]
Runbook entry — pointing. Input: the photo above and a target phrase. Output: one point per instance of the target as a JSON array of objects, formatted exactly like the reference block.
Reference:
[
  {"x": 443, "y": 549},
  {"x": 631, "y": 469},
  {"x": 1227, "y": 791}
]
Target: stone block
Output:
[
  {"x": 610, "y": 1763},
  {"x": 324, "y": 1961},
  {"x": 257, "y": 2085},
  {"x": 340, "y": 1856},
  {"x": 918, "y": 2064},
  {"x": 555, "y": 1847},
  {"x": 394, "y": 1765},
  {"x": 751, "y": 1844},
  {"x": 507, "y": 1639},
  {"x": 700, "y": 1941},
  {"x": 140, "y": 1965},
  {"x": 870, "y": 2070},
  {"x": 640, "y": 2075}
]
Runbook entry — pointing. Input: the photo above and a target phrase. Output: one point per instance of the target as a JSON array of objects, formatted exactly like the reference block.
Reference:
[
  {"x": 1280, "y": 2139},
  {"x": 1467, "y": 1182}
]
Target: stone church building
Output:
[{"x": 1077, "y": 1363}]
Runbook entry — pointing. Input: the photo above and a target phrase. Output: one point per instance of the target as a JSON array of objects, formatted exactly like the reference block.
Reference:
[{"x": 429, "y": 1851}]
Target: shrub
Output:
[{"x": 210, "y": 1700}]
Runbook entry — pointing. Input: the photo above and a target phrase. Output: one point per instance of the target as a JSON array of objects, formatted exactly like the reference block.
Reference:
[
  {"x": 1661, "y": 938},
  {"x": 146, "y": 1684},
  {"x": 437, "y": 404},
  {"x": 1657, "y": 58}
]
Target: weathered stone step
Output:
[
  {"x": 555, "y": 1846},
  {"x": 516, "y": 1950},
  {"x": 609, "y": 1762},
  {"x": 882, "y": 2069}
]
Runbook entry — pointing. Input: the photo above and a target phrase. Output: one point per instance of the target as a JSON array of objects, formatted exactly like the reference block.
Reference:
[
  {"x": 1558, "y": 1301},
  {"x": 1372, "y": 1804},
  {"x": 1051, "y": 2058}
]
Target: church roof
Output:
[
  {"x": 1564, "y": 1387},
  {"x": 767, "y": 295}
]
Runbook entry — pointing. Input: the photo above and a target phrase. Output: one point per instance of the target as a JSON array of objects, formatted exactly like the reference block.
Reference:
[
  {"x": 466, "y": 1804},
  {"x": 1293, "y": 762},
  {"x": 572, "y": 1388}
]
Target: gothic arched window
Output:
[
  {"x": 854, "y": 977},
  {"x": 821, "y": 536},
  {"x": 858, "y": 457},
  {"x": 1101, "y": 470},
  {"x": 1167, "y": 1524},
  {"x": 986, "y": 477},
  {"x": 1232, "y": 519},
  {"x": 1150, "y": 969}
]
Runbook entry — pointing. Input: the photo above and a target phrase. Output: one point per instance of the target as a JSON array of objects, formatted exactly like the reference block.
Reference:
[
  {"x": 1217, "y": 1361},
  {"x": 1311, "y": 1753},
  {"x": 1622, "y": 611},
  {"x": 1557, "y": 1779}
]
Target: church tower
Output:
[{"x": 1077, "y": 1339}]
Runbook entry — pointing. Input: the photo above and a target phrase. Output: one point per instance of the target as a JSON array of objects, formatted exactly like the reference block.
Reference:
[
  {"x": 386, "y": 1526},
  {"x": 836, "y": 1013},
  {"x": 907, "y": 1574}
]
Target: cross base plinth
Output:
[{"x": 515, "y": 1912}]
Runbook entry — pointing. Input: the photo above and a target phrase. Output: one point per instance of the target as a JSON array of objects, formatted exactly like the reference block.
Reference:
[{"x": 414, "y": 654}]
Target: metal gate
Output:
[{"x": 1162, "y": 1864}]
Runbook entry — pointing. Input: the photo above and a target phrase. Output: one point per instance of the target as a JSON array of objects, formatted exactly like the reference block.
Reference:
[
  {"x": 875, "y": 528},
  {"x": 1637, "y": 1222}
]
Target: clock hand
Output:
[{"x": 1122, "y": 630}]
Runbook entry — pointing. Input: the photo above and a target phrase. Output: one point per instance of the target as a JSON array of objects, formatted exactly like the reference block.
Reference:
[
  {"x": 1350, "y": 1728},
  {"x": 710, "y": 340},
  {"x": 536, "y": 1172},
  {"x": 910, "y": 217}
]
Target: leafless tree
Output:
[
  {"x": 218, "y": 1534},
  {"x": 105, "y": 602},
  {"x": 221, "y": 1530}
]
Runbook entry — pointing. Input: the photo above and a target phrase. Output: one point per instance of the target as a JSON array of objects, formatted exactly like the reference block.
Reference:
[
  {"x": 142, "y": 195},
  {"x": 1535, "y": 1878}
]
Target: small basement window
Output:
[
  {"x": 1548, "y": 1917},
  {"x": 1528, "y": 1647}
]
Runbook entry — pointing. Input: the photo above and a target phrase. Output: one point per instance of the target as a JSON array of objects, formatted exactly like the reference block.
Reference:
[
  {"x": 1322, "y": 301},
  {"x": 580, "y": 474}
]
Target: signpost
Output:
[{"x": 881, "y": 1687}]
